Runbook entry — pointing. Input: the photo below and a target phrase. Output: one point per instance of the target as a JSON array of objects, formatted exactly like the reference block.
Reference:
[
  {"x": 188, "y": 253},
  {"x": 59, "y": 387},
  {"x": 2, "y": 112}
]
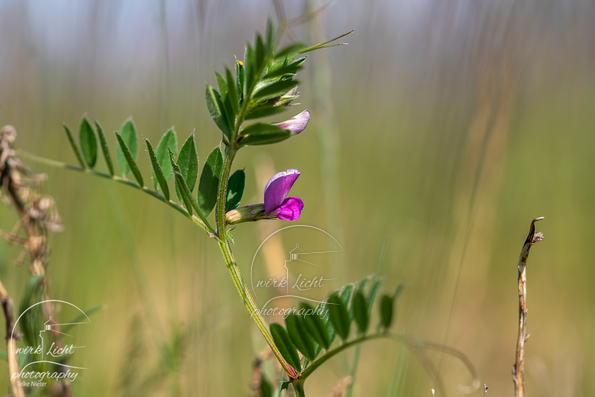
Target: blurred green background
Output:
[{"x": 444, "y": 126}]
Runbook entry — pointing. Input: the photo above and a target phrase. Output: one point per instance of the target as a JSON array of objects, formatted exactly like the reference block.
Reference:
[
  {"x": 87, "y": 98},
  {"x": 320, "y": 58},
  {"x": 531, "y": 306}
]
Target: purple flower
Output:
[
  {"x": 275, "y": 203},
  {"x": 295, "y": 124}
]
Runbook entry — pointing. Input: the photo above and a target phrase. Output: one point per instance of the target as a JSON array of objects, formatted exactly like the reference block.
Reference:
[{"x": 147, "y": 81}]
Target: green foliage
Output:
[
  {"x": 104, "y": 148},
  {"x": 262, "y": 134},
  {"x": 360, "y": 312},
  {"x": 158, "y": 177},
  {"x": 188, "y": 164},
  {"x": 30, "y": 320},
  {"x": 235, "y": 190},
  {"x": 73, "y": 145},
  {"x": 386, "y": 311},
  {"x": 88, "y": 142},
  {"x": 217, "y": 112},
  {"x": 285, "y": 346},
  {"x": 300, "y": 337},
  {"x": 313, "y": 329},
  {"x": 129, "y": 157},
  {"x": 339, "y": 315},
  {"x": 130, "y": 139},
  {"x": 266, "y": 390},
  {"x": 315, "y": 326},
  {"x": 169, "y": 140},
  {"x": 209, "y": 181}
]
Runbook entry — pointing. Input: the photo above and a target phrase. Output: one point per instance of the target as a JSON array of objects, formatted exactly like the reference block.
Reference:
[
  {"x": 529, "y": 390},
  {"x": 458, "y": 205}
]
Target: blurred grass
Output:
[{"x": 457, "y": 124}]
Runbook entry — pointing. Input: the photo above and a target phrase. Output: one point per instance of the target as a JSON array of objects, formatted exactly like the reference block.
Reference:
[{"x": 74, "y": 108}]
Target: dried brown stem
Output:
[
  {"x": 37, "y": 217},
  {"x": 11, "y": 343},
  {"x": 518, "y": 370}
]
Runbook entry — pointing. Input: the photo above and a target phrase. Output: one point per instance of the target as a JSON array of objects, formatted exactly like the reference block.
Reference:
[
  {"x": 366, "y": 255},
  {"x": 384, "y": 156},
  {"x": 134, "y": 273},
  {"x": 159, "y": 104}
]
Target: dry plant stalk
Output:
[
  {"x": 11, "y": 342},
  {"x": 37, "y": 217},
  {"x": 518, "y": 370}
]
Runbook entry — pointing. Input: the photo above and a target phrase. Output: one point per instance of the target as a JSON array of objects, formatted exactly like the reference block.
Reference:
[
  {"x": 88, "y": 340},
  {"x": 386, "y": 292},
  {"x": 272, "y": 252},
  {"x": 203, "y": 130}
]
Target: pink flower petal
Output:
[
  {"x": 278, "y": 187},
  {"x": 290, "y": 209},
  {"x": 297, "y": 123}
]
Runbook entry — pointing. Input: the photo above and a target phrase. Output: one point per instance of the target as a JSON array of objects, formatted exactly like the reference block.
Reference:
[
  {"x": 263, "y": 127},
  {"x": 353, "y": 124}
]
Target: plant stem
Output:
[
  {"x": 207, "y": 228},
  {"x": 298, "y": 387},
  {"x": 518, "y": 369},
  {"x": 233, "y": 267},
  {"x": 250, "y": 304}
]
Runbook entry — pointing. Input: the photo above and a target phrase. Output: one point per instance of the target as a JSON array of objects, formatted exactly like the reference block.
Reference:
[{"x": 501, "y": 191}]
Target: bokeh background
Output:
[{"x": 444, "y": 126}]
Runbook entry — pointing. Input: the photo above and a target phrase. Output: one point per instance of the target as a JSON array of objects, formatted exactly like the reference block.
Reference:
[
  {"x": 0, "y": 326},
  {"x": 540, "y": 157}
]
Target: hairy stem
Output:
[{"x": 250, "y": 304}]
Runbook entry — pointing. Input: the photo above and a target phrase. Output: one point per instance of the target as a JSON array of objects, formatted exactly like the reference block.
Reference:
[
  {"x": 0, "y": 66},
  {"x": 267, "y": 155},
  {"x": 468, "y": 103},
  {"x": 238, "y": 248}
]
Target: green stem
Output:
[
  {"x": 250, "y": 304},
  {"x": 125, "y": 181},
  {"x": 233, "y": 267},
  {"x": 298, "y": 387}
]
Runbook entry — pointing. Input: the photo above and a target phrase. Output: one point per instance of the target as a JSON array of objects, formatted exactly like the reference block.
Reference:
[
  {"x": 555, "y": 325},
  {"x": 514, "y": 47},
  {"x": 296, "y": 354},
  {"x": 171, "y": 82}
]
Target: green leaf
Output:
[
  {"x": 285, "y": 346},
  {"x": 232, "y": 94},
  {"x": 29, "y": 322},
  {"x": 315, "y": 326},
  {"x": 130, "y": 138},
  {"x": 386, "y": 311},
  {"x": 263, "y": 134},
  {"x": 265, "y": 111},
  {"x": 186, "y": 196},
  {"x": 235, "y": 190},
  {"x": 300, "y": 336},
  {"x": 209, "y": 181},
  {"x": 81, "y": 317},
  {"x": 88, "y": 142},
  {"x": 73, "y": 145},
  {"x": 360, "y": 312},
  {"x": 260, "y": 52},
  {"x": 28, "y": 292},
  {"x": 249, "y": 72},
  {"x": 256, "y": 140},
  {"x": 168, "y": 140},
  {"x": 158, "y": 177},
  {"x": 222, "y": 85},
  {"x": 372, "y": 293},
  {"x": 261, "y": 129},
  {"x": 362, "y": 284},
  {"x": 265, "y": 387},
  {"x": 270, "y": 36},
  {"x": 399, "y": 290},
  {"x": 287, "y": 70},
  {"x": 104, "y": 148},
  {"x": 292, "y": 48},
  {"x": 346, "y": 293},
  {"x": 188, "y": 164},
  {"x": 217, "y": 111},
  {"x": 339, "y": 315},
  {"x": 128, "y": 156},
  {"x": 276, "y": 89}
]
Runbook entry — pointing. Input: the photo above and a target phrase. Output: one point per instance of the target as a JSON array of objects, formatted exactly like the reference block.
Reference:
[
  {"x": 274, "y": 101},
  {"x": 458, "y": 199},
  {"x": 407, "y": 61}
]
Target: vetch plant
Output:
[{"x": 263, "y": 84}]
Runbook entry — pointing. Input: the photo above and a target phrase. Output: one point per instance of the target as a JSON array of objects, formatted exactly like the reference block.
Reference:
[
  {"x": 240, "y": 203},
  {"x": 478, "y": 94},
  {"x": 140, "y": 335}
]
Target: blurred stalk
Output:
[
  {"x": 395, "y": 384},
  {"x": 328, "y": 138}
]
